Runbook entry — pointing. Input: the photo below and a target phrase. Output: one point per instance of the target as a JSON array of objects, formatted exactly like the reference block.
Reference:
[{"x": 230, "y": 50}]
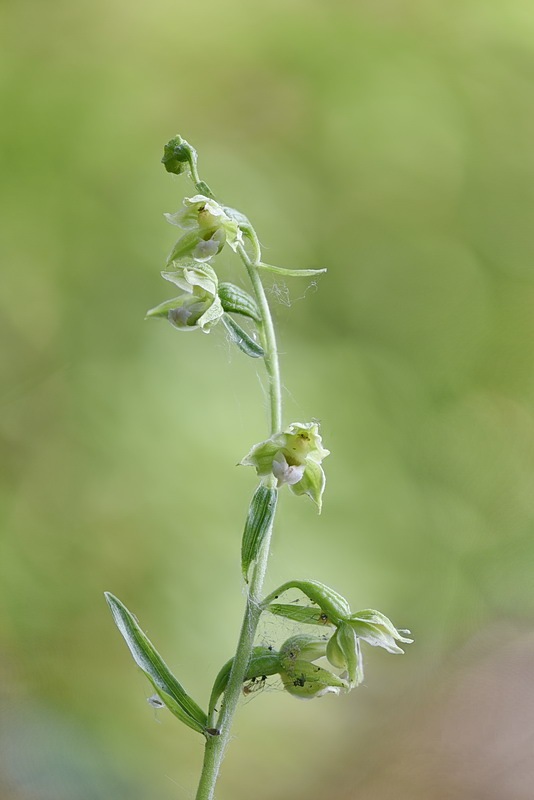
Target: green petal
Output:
[
  {"x": 261, "y": 456},
  {"x": 211, "y": 316},
  {"x": 162, "y": 311}
]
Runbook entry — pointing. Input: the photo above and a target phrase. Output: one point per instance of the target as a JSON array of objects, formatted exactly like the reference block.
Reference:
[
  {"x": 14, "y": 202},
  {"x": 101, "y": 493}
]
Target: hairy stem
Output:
[{"x": 216, "y": 745}]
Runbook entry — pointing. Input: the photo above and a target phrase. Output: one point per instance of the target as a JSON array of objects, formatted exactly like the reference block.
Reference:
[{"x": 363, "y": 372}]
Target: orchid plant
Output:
[{"x": 292, "y": 455}]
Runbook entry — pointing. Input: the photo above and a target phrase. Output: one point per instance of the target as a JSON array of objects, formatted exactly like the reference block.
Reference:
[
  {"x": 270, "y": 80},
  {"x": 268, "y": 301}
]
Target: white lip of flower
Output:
[
  {"x": 284, "y": 473},
  {"x": 204, "y": 213},
  {"x": 207, "y": 248}
]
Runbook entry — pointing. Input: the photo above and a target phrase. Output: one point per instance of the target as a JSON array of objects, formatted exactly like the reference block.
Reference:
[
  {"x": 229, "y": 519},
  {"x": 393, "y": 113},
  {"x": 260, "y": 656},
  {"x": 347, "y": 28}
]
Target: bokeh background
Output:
[{"x": 391, "y": 141}]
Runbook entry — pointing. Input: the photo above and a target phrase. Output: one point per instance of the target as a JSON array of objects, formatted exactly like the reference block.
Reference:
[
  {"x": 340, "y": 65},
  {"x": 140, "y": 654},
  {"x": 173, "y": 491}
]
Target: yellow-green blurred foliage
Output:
[{"x": 390, "y": 141}]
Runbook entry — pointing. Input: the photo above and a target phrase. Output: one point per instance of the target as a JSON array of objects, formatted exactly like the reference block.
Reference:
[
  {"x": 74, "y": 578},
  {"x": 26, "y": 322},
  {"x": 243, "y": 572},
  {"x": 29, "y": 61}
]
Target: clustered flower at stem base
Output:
[{"x": 291, "y": 455}]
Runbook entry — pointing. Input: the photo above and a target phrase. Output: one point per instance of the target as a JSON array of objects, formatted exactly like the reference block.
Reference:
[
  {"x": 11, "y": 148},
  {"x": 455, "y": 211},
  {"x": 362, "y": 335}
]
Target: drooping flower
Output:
[
  {"x": 208, "y": 228},
  {"x": 331, "y": 609},
  {"x": 199, "y": 307},
  {"x": 300, "y": 676},
  {"x": 294, "y": 457}
]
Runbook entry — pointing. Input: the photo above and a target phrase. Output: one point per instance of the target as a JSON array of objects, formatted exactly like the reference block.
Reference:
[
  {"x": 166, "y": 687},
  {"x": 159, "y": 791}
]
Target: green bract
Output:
[
  {"x": 199, "y": 307},
  {"x": 293, "y": 457}
]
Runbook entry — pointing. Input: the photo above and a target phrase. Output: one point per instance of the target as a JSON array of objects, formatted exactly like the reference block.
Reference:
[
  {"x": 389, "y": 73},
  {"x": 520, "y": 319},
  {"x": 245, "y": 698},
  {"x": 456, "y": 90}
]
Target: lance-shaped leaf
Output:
[
  {"x": 329, "y": 601},
  {"x": 259, "y": 521},
  {"x": 236, "y": 301},
  {"x": 242, "y": 339},
  {"x": 148, "y": 659}
]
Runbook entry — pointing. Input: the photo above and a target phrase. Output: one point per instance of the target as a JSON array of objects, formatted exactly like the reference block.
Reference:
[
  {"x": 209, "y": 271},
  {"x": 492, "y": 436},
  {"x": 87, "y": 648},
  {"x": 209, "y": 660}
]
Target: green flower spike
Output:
[
  {"x": 208, "y": 228},
  {"x": 331, "y": 609},
  {"x": 199, "y": 307},
  {"x": 293, "y": 457}
]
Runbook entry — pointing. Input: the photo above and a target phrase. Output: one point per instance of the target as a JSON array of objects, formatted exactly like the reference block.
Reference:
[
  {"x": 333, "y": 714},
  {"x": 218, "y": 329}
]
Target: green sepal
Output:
[
  {"x": 242, "y": 339},
  {"x": 302, "y": 646},
  {"x": 237, "y": 301},
  {"x": 148, "y": 659},
  {"x": 187, "y": 243},
  {"x": 162, "y": 310},
  {"x": 312, "y": 483},
  {"x": 333, "y": 604},
  {"x": 306, "y": 681},
  {"x": 259, "y": 520},
  {"x": 263, "y": 661},
  {"x": 300, "y": 676},
  {"x": 305, "y": 615}
]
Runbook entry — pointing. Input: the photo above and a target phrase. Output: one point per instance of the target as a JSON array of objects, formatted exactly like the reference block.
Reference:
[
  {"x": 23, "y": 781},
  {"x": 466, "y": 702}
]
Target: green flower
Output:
[
  {"x": 300, "y": 676},
  {"x": 294, "y": 663},
  {"x": 199, "y": 306},
  {"x": 208, "y": 228},
  {"x": 293, "y": 457},
  {"x": 331, "y": 609}
]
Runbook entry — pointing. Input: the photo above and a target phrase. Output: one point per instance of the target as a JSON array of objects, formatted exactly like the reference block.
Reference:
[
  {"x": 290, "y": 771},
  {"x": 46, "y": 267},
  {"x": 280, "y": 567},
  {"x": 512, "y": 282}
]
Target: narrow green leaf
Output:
[
  {"x": 237, "y": 301},
  {"x": 259, "y": 520},
  {"x": 241, "y": 338},
  {"x": 148, "y": 659},
  {"x": 291, "y": 273}
]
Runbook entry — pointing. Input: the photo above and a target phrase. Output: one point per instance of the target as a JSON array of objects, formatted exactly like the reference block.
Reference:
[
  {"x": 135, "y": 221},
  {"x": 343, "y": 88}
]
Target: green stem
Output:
[{"x": 216, "y": 745}]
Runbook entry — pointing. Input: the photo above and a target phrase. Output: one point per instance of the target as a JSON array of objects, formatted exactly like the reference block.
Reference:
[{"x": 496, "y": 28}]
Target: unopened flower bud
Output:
[{"x": 178, "y": 155}]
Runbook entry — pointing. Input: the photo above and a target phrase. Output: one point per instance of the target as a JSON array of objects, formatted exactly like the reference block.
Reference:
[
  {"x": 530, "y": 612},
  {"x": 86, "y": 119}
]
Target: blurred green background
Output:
[{"x": 391, "y": 142}]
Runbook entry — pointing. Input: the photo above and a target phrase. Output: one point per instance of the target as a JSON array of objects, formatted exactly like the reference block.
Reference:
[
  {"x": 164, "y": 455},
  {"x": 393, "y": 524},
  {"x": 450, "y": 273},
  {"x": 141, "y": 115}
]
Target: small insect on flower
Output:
[
  {"x": 155, "y": 701},
  {"x": 254, "y": 685}
]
